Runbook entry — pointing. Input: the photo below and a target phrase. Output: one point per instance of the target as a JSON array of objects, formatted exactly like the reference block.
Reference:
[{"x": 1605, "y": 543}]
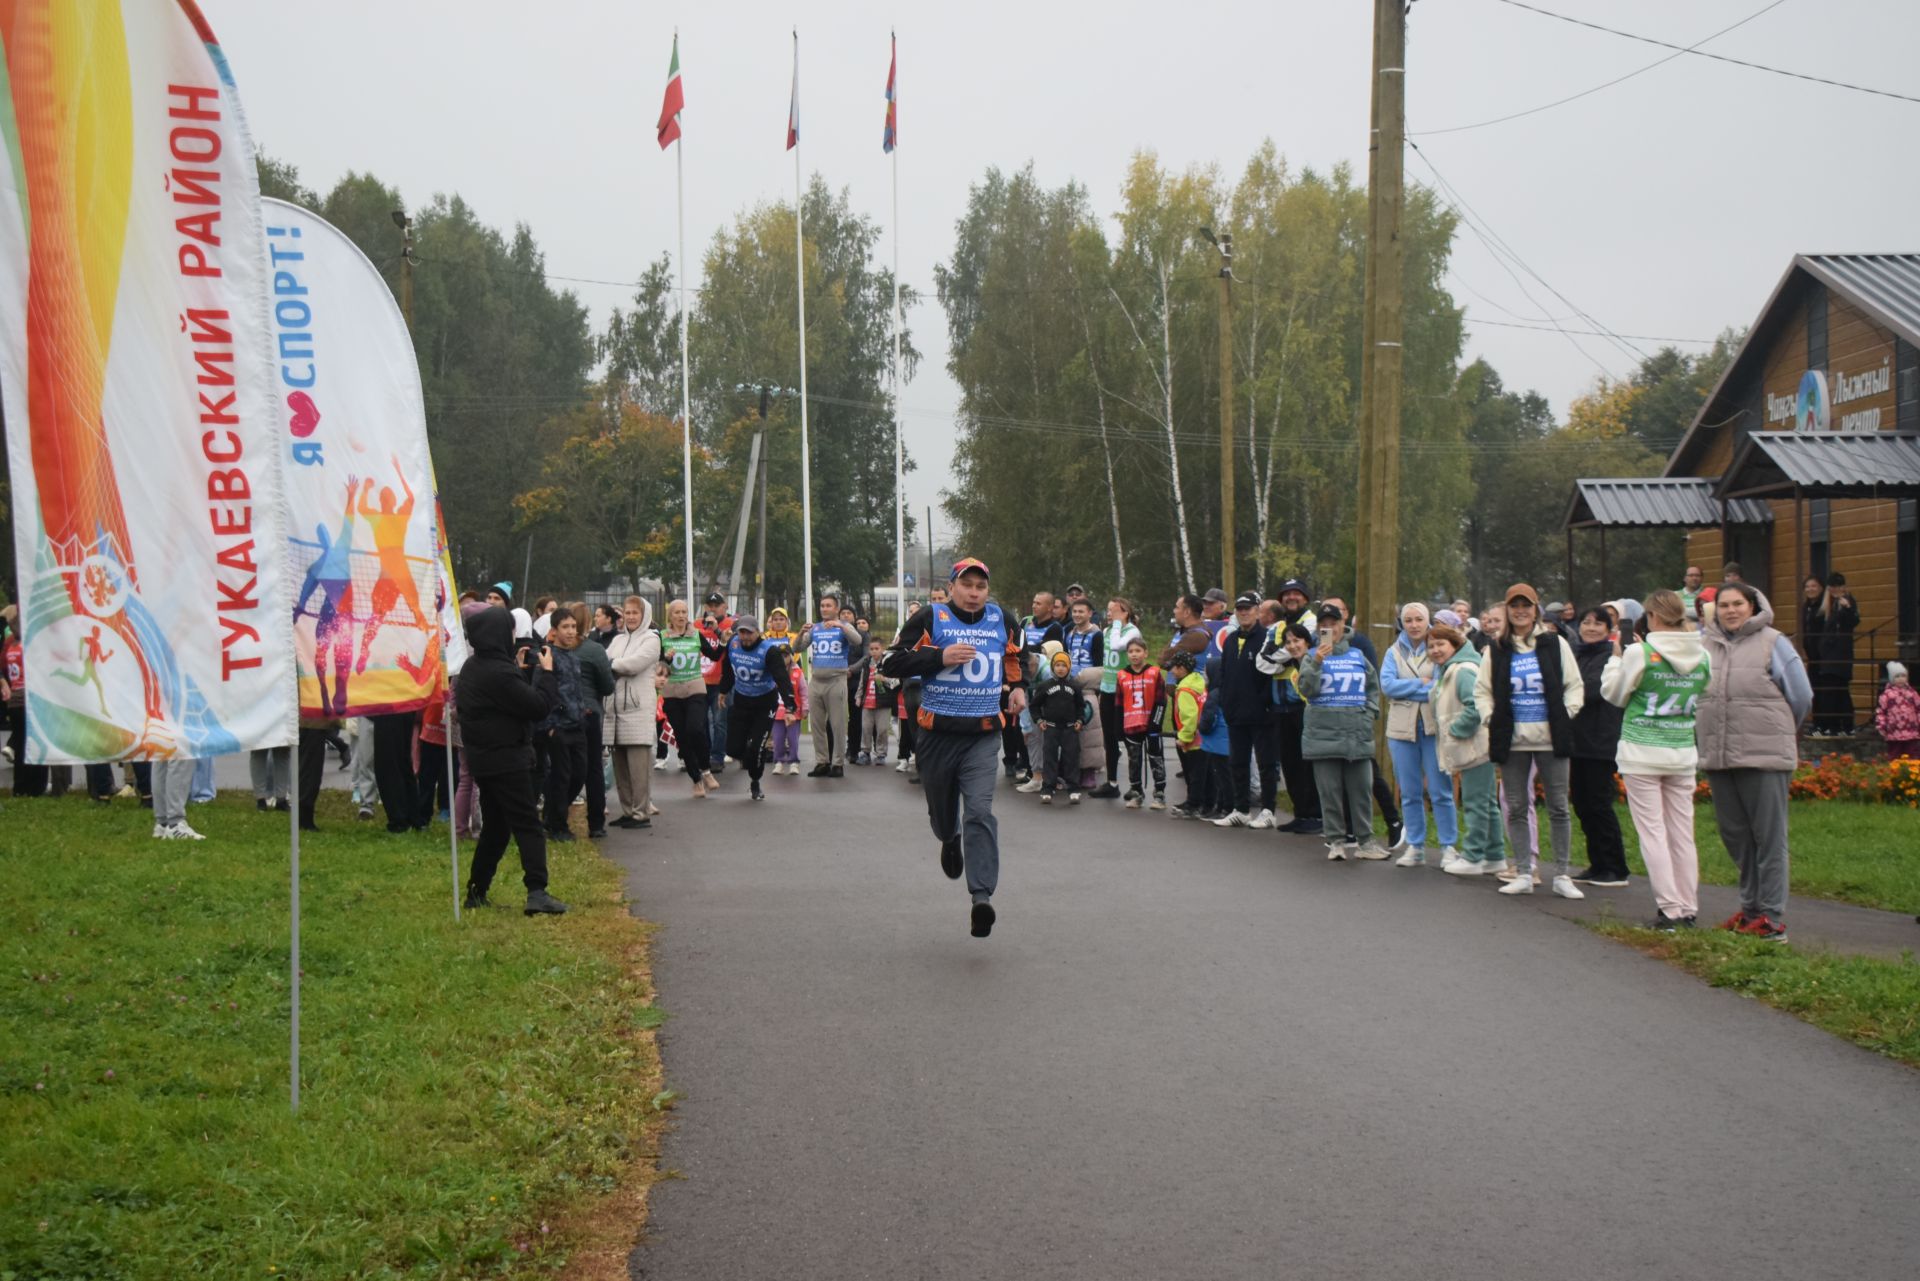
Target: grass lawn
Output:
[
  {"x": 468, "y": 1089},
  {"x": 1842, "y": 850},
  {"x": 1871, "y": 1002}
]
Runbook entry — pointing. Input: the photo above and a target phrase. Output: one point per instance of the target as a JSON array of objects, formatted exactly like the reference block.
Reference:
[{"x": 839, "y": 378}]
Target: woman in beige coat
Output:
[{"x": 628, "y": 726}]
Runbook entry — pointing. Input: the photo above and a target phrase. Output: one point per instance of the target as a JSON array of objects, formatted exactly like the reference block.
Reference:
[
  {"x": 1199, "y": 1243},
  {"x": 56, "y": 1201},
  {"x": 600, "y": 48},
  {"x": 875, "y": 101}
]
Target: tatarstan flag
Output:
[
  {"x": 892, "y": 134},
  {"x": 676, "y": 100},
  {"x": 793, "y": 107}
]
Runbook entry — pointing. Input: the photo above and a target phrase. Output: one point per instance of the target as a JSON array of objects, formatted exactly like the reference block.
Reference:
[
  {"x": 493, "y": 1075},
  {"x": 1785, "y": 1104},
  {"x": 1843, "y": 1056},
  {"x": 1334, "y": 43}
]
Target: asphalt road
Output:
[{"x": 1197, "y": 1053}]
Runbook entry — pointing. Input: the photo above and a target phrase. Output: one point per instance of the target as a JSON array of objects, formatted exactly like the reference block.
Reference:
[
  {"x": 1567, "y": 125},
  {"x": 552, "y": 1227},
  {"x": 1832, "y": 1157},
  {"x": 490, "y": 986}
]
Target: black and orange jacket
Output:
[{"x": 913, "y": 653}]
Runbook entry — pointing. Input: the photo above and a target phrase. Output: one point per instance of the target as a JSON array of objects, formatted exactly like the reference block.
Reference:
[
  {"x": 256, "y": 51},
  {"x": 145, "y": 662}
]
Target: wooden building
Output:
[{"x": 1809, "y": 448}]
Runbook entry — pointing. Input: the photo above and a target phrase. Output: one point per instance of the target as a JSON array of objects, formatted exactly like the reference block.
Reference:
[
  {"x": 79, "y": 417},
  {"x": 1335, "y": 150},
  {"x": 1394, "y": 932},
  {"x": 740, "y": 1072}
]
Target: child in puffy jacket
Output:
[
  {"x": 1056, "y": 712},
  {"x": 1897, "y": 714},
  {"x": 786, "y": 725}
]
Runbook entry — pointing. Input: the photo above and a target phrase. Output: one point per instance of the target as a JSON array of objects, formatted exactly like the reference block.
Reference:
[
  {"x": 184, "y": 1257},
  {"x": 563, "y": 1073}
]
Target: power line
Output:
[
  {"x": 1574, "y": 97},
  {"x": 1717, "y": 57},
  {"x": 1596, "y": 333}
]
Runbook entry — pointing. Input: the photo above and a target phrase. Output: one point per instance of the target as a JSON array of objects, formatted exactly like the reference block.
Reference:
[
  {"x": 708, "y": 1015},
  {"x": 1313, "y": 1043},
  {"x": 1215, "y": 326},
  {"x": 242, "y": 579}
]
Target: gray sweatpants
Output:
[
  {"x": 270, "y": 768},
  {"x": 1750, "y": 808},
  {"x": 827, "y": 706},
  {"x": 1346, "y": 799},
  {"x": 1555, "y": 771},
  {"x": 360, "y": 739},
  {"x": 876, "y": 727},
  {"x": 172, "y": 785},
  {"x": 957, "y": 768}
]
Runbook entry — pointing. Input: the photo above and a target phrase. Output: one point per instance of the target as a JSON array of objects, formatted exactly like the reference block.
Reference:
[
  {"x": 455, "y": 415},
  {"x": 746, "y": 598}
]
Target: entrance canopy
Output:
[
  {"x": 1658, "y": 502},
  {"x": 1877, "y": 464}
]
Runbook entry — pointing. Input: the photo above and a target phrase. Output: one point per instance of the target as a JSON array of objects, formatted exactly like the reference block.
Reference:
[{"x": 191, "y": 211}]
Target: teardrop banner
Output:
[
  {"x": 374, "y": 624},
  {"x": 135, "y": 368}
]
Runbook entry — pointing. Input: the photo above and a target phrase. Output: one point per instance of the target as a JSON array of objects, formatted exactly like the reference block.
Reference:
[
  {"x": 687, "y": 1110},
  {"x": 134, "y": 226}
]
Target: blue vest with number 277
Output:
[
  {"x": 1343, "y": 680},
  {"x": 970, "y": 689}
]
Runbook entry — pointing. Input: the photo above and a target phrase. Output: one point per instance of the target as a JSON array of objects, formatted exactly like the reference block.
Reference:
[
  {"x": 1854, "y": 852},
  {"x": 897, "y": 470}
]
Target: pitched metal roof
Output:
[
  {"x": 1827, "y": 464},
  {"x": 1658, "y": 502},
  {"x": 1884, "y": 286}
]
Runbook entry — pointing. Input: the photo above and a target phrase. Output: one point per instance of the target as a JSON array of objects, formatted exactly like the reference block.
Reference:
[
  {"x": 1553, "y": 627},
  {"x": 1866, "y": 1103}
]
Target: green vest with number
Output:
[
  {"x": 1660, "y": 713},
  {"x": 683, "y": 656}
]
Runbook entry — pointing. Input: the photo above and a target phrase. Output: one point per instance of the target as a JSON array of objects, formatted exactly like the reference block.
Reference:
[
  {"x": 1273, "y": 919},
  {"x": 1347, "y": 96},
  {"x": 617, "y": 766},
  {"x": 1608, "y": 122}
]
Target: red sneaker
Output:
[
  {"x": 1735, "y": 922},
  {"x": 1764, "y": 927}
]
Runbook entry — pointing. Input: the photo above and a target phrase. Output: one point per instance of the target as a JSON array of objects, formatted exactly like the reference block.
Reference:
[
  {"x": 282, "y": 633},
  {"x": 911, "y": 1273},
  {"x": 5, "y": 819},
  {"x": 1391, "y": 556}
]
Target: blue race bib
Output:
[
  {"x": 1528, "y": 691},
  {"x": 828, "y": 647},
  {"x": 972, "y": 689},
  {"x": 1343, "y": 681},
  {"x": 750, "y": 675},
  {"x": 1079, "y": 651}
]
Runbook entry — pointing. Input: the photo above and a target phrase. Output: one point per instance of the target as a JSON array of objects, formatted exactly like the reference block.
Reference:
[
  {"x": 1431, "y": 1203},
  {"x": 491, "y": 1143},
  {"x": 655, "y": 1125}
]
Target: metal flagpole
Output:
[
  {"x": 686, "y": 413},
  {"x": 808, "y": 590},
  {"x": 899, "y": 447},
  {"x": 293, "y": 767}
]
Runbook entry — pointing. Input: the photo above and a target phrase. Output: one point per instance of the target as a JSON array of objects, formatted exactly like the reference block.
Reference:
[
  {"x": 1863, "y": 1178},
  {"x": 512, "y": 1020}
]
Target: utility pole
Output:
[
  {"x": 1377, "y": 544},
  {"x": 1377, "y": 532},
  {"x": 760, "y": 572},
  {"x": 1224, "y": 243}
]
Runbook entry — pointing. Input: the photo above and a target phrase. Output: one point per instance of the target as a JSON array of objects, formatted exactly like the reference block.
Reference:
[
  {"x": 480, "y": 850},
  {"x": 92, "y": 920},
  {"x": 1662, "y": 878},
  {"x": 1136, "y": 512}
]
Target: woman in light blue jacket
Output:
[{"x": 1406, "y": 678}]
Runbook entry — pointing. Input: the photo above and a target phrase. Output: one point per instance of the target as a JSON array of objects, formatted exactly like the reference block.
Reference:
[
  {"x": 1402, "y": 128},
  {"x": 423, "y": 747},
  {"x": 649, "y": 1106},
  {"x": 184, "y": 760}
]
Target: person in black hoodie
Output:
[
  {"x": 1596, "y": 740},
  {"x": 500, "y": 703},
  {"x": 753, "y": 680}
]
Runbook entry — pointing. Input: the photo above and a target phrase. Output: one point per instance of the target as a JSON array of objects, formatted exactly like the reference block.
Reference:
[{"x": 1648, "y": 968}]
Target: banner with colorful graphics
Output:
[
  {"x": 372, "y": 613},
  {"x": 134, "y": 364}
]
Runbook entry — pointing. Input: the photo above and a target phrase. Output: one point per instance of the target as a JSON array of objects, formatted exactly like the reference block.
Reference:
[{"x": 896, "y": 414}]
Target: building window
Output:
[
  {"x": 1817, "y": 327},
  {"x": 1819, "y": 537}
]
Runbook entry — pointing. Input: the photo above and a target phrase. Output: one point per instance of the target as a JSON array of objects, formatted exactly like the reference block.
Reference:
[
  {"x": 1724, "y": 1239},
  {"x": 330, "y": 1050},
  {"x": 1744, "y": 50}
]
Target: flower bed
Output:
[{"x": 1839, "y": 777}]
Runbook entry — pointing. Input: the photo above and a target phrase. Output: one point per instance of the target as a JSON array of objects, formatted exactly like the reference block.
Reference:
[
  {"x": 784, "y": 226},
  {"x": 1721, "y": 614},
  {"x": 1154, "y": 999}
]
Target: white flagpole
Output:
[
  {"x": 807, "y": 588},
  {"x": 293, "y": 768},
  {"x": 899, "y": 448},
  {"x": 453, "y": 799},
  {"x": 686, "y": 413}
]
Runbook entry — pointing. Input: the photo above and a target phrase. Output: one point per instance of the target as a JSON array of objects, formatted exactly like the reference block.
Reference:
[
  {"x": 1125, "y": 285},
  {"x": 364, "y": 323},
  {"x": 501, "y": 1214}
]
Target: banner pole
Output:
[
  {"x": 686, "y": 412},
  {"x": 453, "y": 797},
  {"x": 899, "y": 446},
  {"x": 807, "y": 588},
  {"x": 293, "y": 768}
]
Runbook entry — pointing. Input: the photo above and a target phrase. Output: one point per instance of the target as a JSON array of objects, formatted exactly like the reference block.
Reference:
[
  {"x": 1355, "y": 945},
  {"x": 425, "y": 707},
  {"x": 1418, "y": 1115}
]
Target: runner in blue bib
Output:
[{"x": 966, "y": 656}]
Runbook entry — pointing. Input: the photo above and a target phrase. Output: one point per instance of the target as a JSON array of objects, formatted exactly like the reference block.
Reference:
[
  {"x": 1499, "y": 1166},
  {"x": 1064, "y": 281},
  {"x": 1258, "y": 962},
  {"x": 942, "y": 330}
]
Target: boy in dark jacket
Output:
[
  {"x": 1056, "y": 710},
  {"x": 500, "y": 703}
]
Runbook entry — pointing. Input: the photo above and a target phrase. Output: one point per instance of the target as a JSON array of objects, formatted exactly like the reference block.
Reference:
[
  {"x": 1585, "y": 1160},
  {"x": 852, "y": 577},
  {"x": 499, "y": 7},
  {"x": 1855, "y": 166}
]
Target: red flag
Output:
[
  {"x": 676, "y": 100},
  {"x": 892, "y": 134},
  {"x": 793, "y": 108}
]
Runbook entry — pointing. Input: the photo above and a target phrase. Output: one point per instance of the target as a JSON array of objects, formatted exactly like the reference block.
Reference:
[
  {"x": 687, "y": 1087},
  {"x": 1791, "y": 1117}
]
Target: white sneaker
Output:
[
  {"x": 1521, "y": 884},
  {"x": 1032, "y": 785},
  {"x": 1263, "y": 820},
  {"x": 1464, "y": 867},
  {"x": 1336, "y": 852},
  {"x": 1495, "y": 866},
  {"x": 1236, "y": 819},
  {"x": 1159, "y": 801},
  {"x": 161, "y": 832},
  {"x": 1448, "y": 854},
  {"x": 1565, "y": 888},
  {"x": 660, "y": 762},
  {"x": 1073, "y": 798},
  {"x": 901, "y": 768},
  {"x": 177, "y": 832},
  {"x": 1372, "y": 850},
  {"x": 1415, "y": 856}
]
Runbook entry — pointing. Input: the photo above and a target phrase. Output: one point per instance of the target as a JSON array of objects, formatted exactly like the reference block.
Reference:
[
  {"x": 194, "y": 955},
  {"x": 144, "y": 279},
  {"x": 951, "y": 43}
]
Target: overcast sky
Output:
[{"x": 1667, "y": 205}]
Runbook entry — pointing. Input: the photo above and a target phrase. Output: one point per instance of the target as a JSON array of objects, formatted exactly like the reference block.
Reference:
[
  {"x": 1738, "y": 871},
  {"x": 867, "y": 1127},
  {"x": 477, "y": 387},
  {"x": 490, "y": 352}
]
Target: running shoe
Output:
[
  {"x": 1664, "y": 923},
  {"x": 1565, "y": 888},
  {"x": 864, "y": 758},
  {"x": 1104, "y": 792},
  {"x": 177, "y": 832},
  {"x": 1159, "y": 801},
  {"x": 1737, "y": 921},
  {"x": 901, "y": 768},
  {"x": 1495, "y": 866},
  {"x": 1521, "y": 884},
  {"x": 1046, "y": 798},
  {"x": 819, "y": 771},
  {"x": 1133, "y": 801},
  {"x": 1396, "y": 833},
  {"x": 1263, "y": 820},
  {"x": 753, "y": 790},
  {"x": 982, "y": 919},
  {"x": 541, "y": 903},
  {"x": 1372, "y": 851},
  {"x": 1765, "y": 928},
  {"x": 1464, "y": 867},
  {"x": 1233, "y": 818},
  {"x": 951, "y": 861},
  {"x": 1608, "y": 881},
  {"x": 1073, "y": 798},
  {"x": 838, "y": 771},
  {"x": 1416, "y": 856},
  {"x": 1336, "y": 852},
  {"x": 1031, "y": 786},
  {"x": 1183, "y": 811}
]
